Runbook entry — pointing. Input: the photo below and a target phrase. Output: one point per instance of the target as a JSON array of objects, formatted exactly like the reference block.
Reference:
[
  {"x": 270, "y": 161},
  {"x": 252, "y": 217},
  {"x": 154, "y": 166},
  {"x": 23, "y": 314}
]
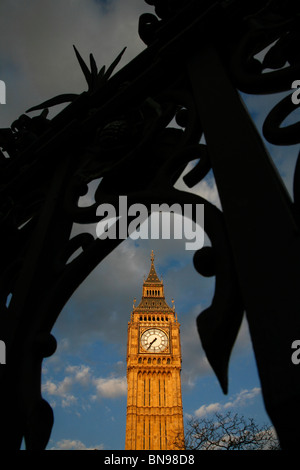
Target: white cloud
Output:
[
  {"x": 73, "y": 444},
  {"x": 244, "y": 398},
  {"x": 81, "y": 375},
  {"x": 110, "y": 387},
  {"x": 208, "y": 409},
  {"x": 60, "y": 390}
]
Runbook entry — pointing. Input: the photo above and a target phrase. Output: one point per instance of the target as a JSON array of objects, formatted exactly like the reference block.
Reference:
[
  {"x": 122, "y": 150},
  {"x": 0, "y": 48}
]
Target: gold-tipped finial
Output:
[{"x": 152, "y": 257}]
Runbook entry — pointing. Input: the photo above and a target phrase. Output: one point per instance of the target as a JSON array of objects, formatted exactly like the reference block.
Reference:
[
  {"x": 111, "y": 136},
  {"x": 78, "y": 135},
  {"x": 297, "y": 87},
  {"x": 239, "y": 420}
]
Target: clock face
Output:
[{"x": 154, "y": 340}]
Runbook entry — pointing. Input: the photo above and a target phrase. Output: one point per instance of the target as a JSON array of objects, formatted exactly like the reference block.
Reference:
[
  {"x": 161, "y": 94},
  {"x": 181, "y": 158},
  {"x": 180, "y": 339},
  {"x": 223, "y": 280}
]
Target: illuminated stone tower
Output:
[{"x": 154, "y": 402}]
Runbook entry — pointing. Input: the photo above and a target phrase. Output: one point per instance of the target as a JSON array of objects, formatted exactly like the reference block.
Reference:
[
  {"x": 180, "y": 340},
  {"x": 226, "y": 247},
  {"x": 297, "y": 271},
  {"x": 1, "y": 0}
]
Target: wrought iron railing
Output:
[{"x": 199, "y": 56}]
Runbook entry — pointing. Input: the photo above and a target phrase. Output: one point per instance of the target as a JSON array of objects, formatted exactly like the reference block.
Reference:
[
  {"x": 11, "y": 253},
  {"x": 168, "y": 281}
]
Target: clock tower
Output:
[{"x": 154, "y": 402}]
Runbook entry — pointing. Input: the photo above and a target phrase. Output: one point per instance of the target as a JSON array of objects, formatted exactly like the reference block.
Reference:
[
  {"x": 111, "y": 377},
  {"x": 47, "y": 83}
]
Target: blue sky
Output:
[{"x": 85, "y": 380}]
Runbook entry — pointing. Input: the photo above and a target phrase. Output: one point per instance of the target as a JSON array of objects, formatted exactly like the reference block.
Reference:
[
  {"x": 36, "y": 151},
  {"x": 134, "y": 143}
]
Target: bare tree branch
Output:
[{"x": 228, "y": 432}]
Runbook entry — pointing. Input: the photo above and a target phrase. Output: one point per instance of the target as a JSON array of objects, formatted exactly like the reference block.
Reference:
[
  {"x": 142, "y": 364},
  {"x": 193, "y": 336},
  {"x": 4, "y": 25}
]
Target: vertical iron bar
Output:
[{"x": 264, "y": 237}]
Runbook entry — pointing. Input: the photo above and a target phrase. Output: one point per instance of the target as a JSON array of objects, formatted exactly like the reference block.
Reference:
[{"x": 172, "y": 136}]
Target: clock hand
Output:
[{"x": 152, "y": 343}]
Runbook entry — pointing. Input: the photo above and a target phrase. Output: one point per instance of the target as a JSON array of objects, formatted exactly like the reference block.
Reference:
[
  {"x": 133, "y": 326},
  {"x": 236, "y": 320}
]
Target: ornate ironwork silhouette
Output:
[{"x": 199, "y": 55}]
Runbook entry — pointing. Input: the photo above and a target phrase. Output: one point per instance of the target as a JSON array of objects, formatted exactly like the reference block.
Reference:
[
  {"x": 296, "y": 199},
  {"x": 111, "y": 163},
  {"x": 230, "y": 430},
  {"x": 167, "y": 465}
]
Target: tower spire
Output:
[
  {"x": 152, "y": 276},
  {"x": 153, "y": 296}
]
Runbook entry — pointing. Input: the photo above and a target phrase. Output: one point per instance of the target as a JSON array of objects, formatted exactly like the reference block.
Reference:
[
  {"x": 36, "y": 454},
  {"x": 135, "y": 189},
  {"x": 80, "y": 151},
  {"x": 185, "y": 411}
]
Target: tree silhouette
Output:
[{"x": 228, "y": 432}]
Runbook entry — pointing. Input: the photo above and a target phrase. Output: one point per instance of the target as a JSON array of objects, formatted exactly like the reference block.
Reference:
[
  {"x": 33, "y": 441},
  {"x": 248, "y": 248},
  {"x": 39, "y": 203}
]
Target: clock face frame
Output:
[{"x": 154, "y": 340}]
